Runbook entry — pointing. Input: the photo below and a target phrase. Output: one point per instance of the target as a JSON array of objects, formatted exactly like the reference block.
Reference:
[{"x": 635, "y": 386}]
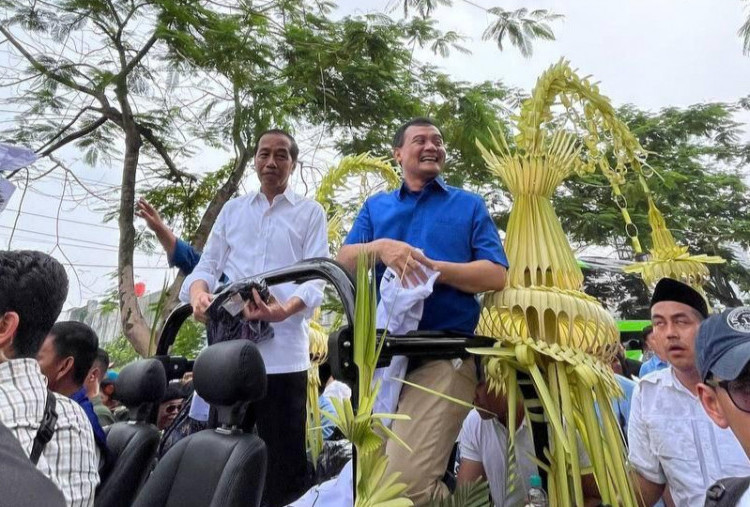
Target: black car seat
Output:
[
  {"x": 221, "y": 466},
  {"x": 132, "y": 444}
]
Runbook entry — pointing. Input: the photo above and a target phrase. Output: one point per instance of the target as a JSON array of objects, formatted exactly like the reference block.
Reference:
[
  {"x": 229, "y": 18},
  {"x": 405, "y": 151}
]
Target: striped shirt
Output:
[{"x": 70, "y": 458}]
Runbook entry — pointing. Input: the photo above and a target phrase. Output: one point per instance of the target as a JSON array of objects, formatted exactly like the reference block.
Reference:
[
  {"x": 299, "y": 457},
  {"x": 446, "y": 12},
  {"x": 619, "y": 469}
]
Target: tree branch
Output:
[
  {"x": 44, "y": 70},
  {"x": 115, "y": 116},
  {"x": 154, "y": 141},
  {"x": 66, "y": 127},
  {"x": 139, "y": 56},
  {"x": 75, "y": 135}
]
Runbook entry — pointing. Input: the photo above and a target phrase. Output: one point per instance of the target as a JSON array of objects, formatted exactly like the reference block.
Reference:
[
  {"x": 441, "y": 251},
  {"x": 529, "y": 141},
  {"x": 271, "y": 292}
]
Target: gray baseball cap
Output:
[{"x": 722, "y": 348}]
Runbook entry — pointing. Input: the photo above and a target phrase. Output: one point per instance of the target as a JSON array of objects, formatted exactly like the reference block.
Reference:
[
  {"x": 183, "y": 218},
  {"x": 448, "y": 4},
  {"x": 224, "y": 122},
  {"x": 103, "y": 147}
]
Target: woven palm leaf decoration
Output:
[
  {"x": 670, "y": 260},
  {"x": 336, "y": 178},
  {"x": 546, "y": 327}
]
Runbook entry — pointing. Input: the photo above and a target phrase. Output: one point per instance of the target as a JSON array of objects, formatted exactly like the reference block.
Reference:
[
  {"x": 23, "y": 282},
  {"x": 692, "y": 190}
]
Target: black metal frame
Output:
[
  {"x": 303, "y": 271},
  {"x": 429, "y": 345}
]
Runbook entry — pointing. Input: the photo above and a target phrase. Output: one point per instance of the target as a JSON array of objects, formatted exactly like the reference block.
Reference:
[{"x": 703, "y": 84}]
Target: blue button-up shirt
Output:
[
  {"x": 185, "y": 257},
  {"x": 447, "y": 224},
  {"x": 652, "y": 365}
]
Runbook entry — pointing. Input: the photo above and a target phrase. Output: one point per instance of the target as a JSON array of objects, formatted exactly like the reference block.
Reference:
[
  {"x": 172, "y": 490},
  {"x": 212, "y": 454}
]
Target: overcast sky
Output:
[{"x": 652, "y": 53}]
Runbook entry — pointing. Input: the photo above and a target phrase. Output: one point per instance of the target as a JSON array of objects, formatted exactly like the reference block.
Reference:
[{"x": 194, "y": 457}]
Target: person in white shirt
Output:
[
  {"x": 33, "y": 288},
  {"x": 483, "y": 449},
  {"x": 255, "y": 233},
  {"x": 722, "y": 356},
  {"x": 672, "y": 440}
]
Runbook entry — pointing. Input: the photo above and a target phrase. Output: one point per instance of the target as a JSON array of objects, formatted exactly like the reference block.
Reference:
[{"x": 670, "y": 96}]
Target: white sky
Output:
[{"x": 652, "y": 53}]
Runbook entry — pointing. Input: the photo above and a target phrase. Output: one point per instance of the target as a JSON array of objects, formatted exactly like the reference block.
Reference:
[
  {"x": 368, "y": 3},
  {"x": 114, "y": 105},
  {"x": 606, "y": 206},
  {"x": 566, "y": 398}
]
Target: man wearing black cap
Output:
[
  {"x": 722, "y": 354},
  {"x": 672, "y": 441}
]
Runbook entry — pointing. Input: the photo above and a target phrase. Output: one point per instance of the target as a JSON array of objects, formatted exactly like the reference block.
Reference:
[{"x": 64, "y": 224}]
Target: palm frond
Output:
[{"x": 475, "y": 494}]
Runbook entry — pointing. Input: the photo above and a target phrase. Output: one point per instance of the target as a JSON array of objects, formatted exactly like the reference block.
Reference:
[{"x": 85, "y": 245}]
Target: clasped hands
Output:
[{"x": 254, "y": 309}]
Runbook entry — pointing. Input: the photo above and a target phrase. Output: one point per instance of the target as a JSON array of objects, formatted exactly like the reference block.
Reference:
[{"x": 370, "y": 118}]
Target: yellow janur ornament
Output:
[{"x": 546, "y": 327}]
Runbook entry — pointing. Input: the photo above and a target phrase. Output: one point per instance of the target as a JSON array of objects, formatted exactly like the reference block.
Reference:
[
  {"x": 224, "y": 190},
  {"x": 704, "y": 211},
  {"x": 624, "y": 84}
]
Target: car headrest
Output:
[
  {"x": 231, "y": 372},
  {"x": 141, "y": 382}
]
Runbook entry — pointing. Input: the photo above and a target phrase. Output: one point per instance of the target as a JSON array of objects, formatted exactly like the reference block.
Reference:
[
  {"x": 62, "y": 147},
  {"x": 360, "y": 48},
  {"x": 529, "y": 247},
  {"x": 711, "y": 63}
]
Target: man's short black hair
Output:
[
  {"x": 101, "y": 360},
  {"x": 293, "y": 149},
  {"x": 398, "y": 138},
  {"x": 79, "y": 341},
  {"x": 33, "y": 285}
]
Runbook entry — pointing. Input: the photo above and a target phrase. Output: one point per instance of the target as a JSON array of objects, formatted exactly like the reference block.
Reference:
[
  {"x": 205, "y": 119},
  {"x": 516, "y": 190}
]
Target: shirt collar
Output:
[
  {"x": 436, "y": 184},
  {"x": 288, "y": 194},
  {"x": 671, "y": 380}
]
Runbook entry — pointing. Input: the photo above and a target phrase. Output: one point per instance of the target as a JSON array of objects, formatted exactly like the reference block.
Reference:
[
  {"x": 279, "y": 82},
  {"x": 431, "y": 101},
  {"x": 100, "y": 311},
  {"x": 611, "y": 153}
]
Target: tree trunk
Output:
[
  {"x": 134, "y": 326},
  {"x": 207, "y": 221},
  {"x": 220, "y": 199}
]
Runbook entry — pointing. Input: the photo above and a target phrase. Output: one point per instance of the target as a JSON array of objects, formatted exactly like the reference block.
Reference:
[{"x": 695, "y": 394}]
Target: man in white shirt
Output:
[
  {"x": 722, "y": 355},
  {"x": 255, "y": 233},
  {"x": 483, "y": 448},
  {"x": 672, "y": 440},
  {"x": 33, "y": 288}
]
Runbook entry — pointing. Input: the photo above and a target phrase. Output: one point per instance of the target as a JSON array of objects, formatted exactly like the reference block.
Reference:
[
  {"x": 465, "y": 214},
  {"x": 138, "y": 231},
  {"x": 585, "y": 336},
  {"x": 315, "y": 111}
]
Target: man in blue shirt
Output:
[
  {"x": 65, "y": 358},
  {"x": 652, "y": 353},
  {"x": 426, "y": 223}
]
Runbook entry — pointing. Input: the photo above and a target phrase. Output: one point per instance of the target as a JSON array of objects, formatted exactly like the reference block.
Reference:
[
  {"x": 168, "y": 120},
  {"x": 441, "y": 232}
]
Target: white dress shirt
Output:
[
  {"x": 672, "y": 440},
  {"x": 251, "y": 237},
  {"x": 70, "y": 458}
]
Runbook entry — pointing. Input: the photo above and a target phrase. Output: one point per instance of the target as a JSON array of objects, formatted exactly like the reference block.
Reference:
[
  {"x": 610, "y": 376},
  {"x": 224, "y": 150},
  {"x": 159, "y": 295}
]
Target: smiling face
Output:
[
  {"x": 274, "y": 164},
  {"x": 168, "y": 411},
  {"x": 422, "y": 153},
  {"x": 676, "y": 326}
]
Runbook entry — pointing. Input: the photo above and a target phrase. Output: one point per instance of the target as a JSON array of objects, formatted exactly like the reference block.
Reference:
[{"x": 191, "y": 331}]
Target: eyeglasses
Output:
[{"x": 738, "y": 391}]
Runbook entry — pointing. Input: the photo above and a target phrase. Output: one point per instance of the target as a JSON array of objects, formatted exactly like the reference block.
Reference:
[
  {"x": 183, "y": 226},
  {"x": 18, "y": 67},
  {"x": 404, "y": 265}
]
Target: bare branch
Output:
[
  {"x": 75, "y": 135},
  {"x": 44, "y": 70},
  {"x": 68, "y": 171},
  {"x": 139, "y": 56},
  {"x": 66, "y": 127},
  {"x": 20, "y": 207},
  {"x": 154, "y": 141}
]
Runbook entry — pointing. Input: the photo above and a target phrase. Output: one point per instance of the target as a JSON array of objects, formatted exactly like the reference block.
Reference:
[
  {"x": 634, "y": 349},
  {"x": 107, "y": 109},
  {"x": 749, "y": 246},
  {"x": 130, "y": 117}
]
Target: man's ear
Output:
[
  {"x": 65, "y": 366},
  {"x": 397, "y": 155},
  {"x": 710, "y": 401},
  {"x": 8, "y": 326}
]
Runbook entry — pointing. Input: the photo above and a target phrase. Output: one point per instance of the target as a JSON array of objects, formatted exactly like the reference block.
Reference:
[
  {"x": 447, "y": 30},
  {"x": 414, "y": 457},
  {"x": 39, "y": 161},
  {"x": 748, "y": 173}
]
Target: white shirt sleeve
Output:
[
  {"x": 315, "y": 245},
  {"x": 212, "y": 261},
  {"x": 469, "y": 438},
  {"x": 645, "y": 462}
]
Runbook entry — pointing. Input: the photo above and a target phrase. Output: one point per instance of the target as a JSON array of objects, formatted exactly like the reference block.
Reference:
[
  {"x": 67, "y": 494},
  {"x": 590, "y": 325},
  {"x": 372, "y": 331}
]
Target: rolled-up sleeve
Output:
[
  {"x": 184, "y": 257},
  {"x": 645, "y": 462},
  {"x": 212, "y": 261},
  {"x": 315, "y": 245}
]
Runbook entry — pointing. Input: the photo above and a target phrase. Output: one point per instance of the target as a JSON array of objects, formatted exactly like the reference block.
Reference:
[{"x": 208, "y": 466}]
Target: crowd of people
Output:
[{"x": 685, "y": 420}]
